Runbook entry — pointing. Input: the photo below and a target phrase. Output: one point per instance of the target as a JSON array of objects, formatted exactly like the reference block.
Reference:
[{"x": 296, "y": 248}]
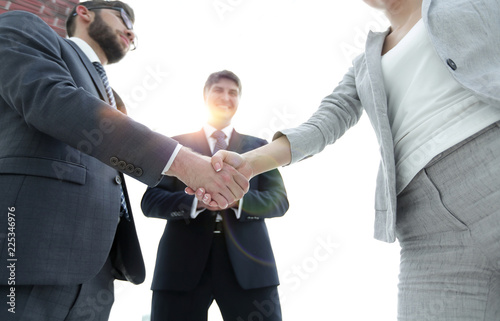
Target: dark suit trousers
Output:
[
  {"x": 90, "y": 301},
  {"x": 218, "y": 283}
]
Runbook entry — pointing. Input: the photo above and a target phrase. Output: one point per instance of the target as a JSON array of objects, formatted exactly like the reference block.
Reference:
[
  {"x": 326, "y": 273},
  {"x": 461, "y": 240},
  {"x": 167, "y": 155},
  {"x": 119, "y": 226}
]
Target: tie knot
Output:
[
  {"x": 99, "y": 67},
  {"x": 220, "y": 141},
  {"x": 219, "y": 135}
]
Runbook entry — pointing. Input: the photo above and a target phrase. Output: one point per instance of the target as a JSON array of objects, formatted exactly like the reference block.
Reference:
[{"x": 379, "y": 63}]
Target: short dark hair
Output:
[
  {"x": 70, "y": 22},
  {"x": 216, "y": 77}
]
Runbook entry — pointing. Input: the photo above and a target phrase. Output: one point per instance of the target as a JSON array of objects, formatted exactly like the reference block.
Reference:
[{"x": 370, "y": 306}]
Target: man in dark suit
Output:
[
  {"x": 209, "y": 254},
  {"x": 67, "y": 232}
]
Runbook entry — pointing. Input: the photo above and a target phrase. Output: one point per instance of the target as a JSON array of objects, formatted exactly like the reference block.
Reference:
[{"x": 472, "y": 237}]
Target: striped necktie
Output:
[
  {"x": 220, "y": 143},
  {"x": 111, "y": 97},
  {"x": 220, "y": 140},
  {"x": 105, "y": 81}
]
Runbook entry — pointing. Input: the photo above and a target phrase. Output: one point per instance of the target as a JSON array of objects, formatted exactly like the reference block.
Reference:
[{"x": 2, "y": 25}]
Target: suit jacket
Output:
[
  {"x": 185, "y": 245},
  {"x": 465, "y": 34},
  {"x": 61, "y": 150}
]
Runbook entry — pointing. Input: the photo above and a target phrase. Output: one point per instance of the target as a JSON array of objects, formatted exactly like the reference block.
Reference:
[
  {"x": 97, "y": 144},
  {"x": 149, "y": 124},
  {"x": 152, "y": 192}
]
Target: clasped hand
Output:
[{"x": 225, "y": 161}]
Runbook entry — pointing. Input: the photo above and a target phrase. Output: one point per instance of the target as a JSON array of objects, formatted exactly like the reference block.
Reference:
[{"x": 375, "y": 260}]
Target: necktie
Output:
[
  {"x": 220, "y": 143},
  {"x": 109, "y": 91},
  {"x": 105, "y": 81},
  {"x": 220, "y": 140}
]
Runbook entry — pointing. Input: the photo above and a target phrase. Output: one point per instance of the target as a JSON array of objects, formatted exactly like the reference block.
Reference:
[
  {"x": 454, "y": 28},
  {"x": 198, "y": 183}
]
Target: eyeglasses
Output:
[{"x": 125, "y": 18}]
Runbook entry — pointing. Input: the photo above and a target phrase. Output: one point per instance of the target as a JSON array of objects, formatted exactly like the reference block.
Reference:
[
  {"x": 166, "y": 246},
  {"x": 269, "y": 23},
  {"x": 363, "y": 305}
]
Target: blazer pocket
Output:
[{"x": 44, "y": 167}]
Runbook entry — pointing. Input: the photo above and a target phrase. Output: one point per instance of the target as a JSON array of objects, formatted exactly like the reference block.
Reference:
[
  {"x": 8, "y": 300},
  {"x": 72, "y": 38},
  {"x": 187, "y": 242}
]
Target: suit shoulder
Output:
[
  {"x": 28, "y": 28},
  {"x": 187, "y": 139},
  {"x": 253, "y": 139},
  {"x": 25, "y": 21}
]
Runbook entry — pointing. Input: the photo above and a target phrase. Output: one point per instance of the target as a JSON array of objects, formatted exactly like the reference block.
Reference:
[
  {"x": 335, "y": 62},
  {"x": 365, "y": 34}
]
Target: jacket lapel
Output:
[
  {"x": 91, "y": 70},
  {"x": 374, "y": 44},
  {"x": 201, "y": 144},
  {"x": 235, "y": 142}
]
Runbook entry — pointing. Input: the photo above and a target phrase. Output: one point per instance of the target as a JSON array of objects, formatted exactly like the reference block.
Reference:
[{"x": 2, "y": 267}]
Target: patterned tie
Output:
[
  {"x": 105, "y": 81},
  {"x": 109, "y": 91},
  {"x": 221, "y": 141}
]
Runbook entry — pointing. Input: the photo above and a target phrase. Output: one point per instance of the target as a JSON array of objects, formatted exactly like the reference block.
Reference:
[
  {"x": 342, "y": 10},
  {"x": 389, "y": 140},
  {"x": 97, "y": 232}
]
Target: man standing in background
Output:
[{"x": 209, "y": 254}]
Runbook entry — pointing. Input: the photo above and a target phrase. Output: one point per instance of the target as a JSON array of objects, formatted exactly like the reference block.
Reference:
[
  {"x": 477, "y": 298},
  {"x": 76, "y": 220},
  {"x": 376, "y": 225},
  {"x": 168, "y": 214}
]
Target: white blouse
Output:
[{"x": 429, "y": 111}]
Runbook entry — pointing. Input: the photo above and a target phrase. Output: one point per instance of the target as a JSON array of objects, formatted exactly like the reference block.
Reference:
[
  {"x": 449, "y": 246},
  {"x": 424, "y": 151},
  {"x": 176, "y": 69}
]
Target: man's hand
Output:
[
  {"x": 250, "y": 164},
  {"x": 202, "y": 205},
  {"x": 219, "y": 161},
  {"x": 235, "y": 160},
  {"x": 215, "y": 208},
  {"x": 224, "y": 187}
]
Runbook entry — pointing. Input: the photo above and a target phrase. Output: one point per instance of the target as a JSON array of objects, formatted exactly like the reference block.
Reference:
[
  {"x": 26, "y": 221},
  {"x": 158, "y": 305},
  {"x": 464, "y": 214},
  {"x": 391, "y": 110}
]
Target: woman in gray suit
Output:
[{"x": 430, "y": 85}]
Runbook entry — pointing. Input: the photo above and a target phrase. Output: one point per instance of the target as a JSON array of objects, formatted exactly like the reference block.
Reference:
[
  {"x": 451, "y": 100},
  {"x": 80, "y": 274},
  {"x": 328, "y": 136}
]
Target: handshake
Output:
[
  {"x": 216, "y": 182},
  {"x": 224, "y": 178}
]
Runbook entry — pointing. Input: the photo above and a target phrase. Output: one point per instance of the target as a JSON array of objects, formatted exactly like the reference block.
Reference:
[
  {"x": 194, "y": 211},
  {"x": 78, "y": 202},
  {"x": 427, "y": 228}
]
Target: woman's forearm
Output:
[{"x": 270, "y": 156}]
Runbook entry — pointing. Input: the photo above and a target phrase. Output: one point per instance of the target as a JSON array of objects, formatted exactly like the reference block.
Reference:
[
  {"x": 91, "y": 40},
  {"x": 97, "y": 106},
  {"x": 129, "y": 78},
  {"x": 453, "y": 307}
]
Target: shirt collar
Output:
[
  {"x": 86, "y": 48},
  {"x": 209, "y": 130}
]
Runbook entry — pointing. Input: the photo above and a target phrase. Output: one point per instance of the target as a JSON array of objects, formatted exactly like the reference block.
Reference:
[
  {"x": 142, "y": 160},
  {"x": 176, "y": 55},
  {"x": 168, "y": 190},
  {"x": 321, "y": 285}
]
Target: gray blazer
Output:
[
  {"x": 465, "y": 34},
  {"x": 61, "y": 150}
]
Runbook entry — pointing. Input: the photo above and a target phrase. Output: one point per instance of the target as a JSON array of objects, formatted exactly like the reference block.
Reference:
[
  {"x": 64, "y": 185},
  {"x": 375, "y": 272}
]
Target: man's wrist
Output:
[
  {"x": 180, "y": 165},
  {"x": 172, "y": 159}
]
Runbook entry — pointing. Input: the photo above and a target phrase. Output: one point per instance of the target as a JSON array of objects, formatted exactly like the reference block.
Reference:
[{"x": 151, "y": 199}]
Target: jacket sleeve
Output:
[
  {"x": 37, "y": 84},
  {"x": 167, "y": 200},
  {"x": 268, "y": 199},
  {"x": 336, "y": 114}
]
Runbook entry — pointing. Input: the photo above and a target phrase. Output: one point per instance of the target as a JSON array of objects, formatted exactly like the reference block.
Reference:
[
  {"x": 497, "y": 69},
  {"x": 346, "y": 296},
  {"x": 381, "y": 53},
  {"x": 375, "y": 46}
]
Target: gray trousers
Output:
[{"x": 448, "y": 226}]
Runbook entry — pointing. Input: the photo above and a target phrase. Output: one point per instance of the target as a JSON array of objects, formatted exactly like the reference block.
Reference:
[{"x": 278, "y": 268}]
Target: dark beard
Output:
[{"x": 101, "y": 33}]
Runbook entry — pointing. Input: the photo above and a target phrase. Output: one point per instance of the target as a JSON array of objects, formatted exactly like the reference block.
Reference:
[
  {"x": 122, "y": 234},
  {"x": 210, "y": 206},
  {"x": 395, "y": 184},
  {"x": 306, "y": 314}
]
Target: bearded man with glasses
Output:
[{"x": 65, "y": 144}]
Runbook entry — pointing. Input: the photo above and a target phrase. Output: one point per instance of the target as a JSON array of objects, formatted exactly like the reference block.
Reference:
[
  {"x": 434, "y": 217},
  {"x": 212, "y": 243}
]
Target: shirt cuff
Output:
[
  {"x": 194, "y": 212},
  {"x": 172, "y": 158},
  {"x": 237, "y": 211}
]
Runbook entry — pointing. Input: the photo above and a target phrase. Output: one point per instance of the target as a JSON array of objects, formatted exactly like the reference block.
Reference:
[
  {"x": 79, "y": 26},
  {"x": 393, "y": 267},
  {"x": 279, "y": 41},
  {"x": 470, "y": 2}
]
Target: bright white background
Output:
[{"x": 289, "y": 54}]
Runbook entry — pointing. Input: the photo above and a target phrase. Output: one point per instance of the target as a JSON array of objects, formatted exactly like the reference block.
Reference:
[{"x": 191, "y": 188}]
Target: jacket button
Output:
[
  {"x": 138, "y": 172},
  {"x": 130, "y": 168},
  {"x": 122, "y": 165},
  {"x": 451, "y": 63},
  {"x": 118, "y": 180},
  {"x": 113, "y": 161}
]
